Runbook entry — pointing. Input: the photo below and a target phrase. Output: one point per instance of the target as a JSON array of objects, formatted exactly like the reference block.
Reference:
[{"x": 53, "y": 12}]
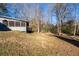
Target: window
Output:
[
  {"x": 11, "y": 23},
  {"x": 17, "y": 24},
  {"x": 22, "y": 23},
  {"x": 5, "y": 22}
]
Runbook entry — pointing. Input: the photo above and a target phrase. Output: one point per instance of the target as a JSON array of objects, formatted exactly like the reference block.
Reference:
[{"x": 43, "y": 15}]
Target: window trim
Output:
[
  {"x": 24, "y": 25},
  {"x": 10, "y": 24},
  {"x": 16, "y": 23}
]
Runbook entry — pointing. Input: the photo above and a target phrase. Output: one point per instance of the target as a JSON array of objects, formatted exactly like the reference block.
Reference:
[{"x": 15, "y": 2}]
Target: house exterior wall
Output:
[
  {"x": 19, "y": 28},
  {"x": 1, "y": 21}
]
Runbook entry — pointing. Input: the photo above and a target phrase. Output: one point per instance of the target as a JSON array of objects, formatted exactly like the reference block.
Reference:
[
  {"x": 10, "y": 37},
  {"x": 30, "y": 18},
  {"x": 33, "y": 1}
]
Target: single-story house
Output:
[{"x": 7, "y": 23}]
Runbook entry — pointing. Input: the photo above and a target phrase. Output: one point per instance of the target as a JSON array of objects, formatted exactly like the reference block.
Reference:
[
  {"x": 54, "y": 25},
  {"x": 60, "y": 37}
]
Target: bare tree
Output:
[
  {"x": 21, "y": 10},
  {"x": 49, "y": 11},
  {"x": 75, "y": 22},
  {"x": 38, "y": 17},
  {"x": 61, "y": 11}
]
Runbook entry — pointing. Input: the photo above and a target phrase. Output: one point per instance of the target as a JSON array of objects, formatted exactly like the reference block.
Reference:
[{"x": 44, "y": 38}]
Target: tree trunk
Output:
[
  {"x": 78, "y": 28},
  {"x": 75, "y": 26},
  {"x": 38, "y": 29},
  {"x": 39, "y": 26},
  {"x": 58, "y": 24},
  {"x": 59, "y": 27}
]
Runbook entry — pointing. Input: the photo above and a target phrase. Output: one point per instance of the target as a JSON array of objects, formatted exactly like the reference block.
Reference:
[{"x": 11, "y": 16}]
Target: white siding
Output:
[
  {"x": 18, "y": 28},
  {"x": 1, "y": 21}
]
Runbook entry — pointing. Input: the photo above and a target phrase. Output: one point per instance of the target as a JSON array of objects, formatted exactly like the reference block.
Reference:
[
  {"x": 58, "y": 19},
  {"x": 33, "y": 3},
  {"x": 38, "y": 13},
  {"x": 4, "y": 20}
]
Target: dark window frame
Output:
[
  {"x": 23, "y": 24},
  {"x": 10, "y": 23},
  {"x": 17, "y": 24}
]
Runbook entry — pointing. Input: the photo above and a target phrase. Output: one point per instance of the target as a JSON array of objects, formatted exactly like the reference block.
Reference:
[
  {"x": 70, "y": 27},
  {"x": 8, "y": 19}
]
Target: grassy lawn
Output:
[{"x": 21, "y": 43}]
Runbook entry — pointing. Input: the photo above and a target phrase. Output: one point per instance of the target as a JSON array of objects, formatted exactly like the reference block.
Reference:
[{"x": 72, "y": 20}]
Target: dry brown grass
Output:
[{"x": 20, "y": 43}]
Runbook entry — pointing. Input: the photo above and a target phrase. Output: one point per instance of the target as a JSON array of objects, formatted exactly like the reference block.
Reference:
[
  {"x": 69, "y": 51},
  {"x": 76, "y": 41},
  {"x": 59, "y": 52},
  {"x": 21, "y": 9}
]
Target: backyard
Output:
[{"x": 32, "y": 44}]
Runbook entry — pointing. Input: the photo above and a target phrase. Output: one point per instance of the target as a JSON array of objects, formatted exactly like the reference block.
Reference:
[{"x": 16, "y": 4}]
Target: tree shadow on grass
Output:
[{"x": 72, "y": 41}]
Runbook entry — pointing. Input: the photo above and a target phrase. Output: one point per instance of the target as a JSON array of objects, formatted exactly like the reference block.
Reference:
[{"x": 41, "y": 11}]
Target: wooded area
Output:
[{"x": 66, "y": 17}]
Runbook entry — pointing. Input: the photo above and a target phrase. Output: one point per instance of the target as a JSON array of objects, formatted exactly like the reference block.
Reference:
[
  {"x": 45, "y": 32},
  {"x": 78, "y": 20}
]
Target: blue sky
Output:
[{"x": 44, "y": 8}]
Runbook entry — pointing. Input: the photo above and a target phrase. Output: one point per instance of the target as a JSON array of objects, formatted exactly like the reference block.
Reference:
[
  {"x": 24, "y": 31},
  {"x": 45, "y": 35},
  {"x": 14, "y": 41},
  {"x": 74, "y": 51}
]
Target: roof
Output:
[{"x": 13, "y": 18}]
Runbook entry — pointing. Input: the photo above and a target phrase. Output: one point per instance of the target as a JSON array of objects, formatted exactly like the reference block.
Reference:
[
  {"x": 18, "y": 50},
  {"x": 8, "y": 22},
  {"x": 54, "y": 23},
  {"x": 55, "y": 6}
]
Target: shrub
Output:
[{"x": 53, "y": 30}]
